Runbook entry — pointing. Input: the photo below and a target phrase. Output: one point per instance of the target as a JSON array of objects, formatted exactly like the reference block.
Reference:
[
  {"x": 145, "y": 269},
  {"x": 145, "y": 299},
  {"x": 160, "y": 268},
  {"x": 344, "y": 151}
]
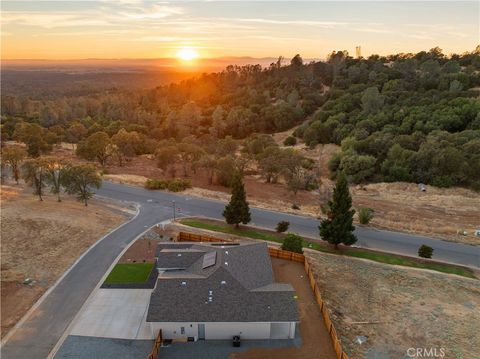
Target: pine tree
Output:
[
  {"x": 237, "y": 210},
  {"x": 338, "y": 227}
]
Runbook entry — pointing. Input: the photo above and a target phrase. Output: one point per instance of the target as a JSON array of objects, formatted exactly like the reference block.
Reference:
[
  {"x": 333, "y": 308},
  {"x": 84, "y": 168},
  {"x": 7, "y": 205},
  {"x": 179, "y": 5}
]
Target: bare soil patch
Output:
[
  {"x": 438, "y": 212},
  {"x": 142, "y": 251},
  {"x": 316, "y": 342},
  {"x": 398, "y": 308},
  {"x": 40, "y": 240},
  {"x": 17, "y": 298}
]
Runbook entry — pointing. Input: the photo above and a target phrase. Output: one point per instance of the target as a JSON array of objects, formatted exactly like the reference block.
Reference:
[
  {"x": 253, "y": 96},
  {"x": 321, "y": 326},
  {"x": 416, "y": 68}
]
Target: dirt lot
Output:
[
  {"x": 316, "y": 341},
  {"x": 439, "y": 213},
  {"x": 40, "y": 240},
  {"x": 398, "y": 308},
  {"x": 142, "y": 251}
]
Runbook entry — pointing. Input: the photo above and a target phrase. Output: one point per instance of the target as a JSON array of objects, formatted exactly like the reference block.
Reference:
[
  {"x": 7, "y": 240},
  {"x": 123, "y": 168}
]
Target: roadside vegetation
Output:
[
  {"x": 49, "y": 173},
  {"x": 273, "y": 236},
  {"x": 174, "y": 185}
]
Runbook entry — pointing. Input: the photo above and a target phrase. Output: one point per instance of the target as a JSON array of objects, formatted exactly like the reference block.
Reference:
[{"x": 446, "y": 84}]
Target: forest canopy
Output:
[{"x": 405, "y": 117}]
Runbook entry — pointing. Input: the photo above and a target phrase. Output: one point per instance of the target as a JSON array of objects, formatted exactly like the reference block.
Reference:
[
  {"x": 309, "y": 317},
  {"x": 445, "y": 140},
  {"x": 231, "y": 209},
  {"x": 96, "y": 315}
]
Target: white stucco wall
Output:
[
  {"x": 223, "y": 330},
  {"x": 174, "y": 330},
  {"x": 279, "y": 330},
  {"x": 245, "y": 330}
]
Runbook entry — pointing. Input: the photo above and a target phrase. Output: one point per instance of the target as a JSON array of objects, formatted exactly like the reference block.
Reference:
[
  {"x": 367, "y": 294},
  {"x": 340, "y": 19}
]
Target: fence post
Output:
[{"x": 278, "y": 253}]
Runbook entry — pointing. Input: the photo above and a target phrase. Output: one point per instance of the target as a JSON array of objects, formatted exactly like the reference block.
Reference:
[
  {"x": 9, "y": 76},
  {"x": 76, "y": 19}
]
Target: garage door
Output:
[{"x": 279, "y": 330}]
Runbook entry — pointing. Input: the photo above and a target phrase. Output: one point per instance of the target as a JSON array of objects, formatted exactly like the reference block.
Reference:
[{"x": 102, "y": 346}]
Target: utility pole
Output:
[{"x": 173, "y": 202}]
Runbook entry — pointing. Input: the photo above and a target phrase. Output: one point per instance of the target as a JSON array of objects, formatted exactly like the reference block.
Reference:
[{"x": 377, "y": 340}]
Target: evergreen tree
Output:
[
  {"x": 293, "y": 243},
  {"x": 338, "y": 227},
  {"x": 237, "y": 210}
]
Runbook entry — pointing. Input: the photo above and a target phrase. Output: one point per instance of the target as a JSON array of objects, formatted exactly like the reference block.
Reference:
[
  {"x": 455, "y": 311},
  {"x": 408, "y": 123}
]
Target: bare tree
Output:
[
  {"x": 56, "y": 171},
  {"x": 13, "y": 157},
  {"x": 35, "y": 175}
]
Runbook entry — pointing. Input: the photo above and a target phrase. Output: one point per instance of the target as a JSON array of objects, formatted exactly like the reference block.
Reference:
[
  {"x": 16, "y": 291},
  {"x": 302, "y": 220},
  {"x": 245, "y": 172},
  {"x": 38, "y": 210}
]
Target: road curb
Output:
[
  {"x": 67, "y": 331},
  {"x": 57, "y": 282}
]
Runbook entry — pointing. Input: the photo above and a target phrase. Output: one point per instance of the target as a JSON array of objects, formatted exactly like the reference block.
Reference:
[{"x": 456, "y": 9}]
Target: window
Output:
[{"x": 182, "y": 330}]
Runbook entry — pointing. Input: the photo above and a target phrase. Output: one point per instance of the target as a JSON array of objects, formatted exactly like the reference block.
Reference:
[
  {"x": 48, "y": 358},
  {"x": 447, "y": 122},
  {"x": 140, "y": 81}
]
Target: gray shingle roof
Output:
[
  {"x": 240, "y": 287},
  {"x": 181, "y": 259},
  {"x": 173, "y": 302}
]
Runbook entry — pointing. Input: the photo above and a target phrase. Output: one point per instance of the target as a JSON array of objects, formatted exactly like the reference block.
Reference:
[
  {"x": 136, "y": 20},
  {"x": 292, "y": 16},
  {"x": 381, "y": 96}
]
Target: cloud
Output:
[
  {"x": 326, "y": 24},
  {"x": 176, "y": 39},
  {"x": 157, "y": 12},
  {"x": 126, "y": 13},
  {"x": 373, "y": 30},
  {"x": 49, "y": 20}
]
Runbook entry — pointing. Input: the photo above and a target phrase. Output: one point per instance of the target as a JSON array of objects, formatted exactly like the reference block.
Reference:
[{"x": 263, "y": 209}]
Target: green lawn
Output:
[
  {"x": 198, "y": 223},
  {"x": 126, "y": 273},
  {"x": 351, "y": 252}
]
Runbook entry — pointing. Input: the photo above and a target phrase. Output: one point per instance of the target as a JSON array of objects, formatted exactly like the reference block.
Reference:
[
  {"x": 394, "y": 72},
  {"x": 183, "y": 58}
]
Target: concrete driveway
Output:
[{"x": 115, "y": 313}]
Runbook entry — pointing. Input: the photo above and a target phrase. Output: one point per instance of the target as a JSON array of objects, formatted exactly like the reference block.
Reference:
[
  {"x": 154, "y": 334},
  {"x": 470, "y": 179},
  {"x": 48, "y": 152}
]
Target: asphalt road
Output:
[
  {"x": 388, "y": 241},
  {"x": 38, "y": 335}
]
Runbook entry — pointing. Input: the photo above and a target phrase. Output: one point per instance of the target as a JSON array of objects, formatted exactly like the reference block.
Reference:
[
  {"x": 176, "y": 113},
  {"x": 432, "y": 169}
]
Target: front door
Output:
[{"x": 201, "y": 332}]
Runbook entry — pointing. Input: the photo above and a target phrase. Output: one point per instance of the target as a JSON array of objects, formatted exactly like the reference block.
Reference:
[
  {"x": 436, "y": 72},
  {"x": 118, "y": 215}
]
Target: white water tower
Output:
[{"x": 358, "y": 51}]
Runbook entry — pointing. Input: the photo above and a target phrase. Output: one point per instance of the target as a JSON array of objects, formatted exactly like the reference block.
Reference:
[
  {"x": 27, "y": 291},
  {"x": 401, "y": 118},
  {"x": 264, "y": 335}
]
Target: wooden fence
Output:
[
  {"x": 156, "y": 346},
  {"x": 278, "y": 253},
  {"x": 291, "y": 256},
  {"x": 193, "y": 237}
]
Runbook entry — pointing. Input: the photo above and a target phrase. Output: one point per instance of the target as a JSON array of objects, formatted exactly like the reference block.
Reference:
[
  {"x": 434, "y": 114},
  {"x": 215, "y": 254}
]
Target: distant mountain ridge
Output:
[{"x": 201, "y": 64}]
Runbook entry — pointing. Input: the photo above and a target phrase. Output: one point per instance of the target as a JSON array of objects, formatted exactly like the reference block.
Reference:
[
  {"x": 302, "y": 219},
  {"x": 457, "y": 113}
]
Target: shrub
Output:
[
  {"x": 178, "y": 185},
  {"x": 175, "y": 185},
  {"x": 290, "y": 141},
  {"x": 325, "y": 208},
  {"x": 282, "y": 226},
  {"x": 425, "y": 251},
  {"x": 155, "y": 184},
  {"x": 295, "y": 206},
  {"x": 443, "y": 181},
  {"x": 312, "y": 186},
  {"x": 293, "y": 243},
  {"x": 365, "y": 215}
]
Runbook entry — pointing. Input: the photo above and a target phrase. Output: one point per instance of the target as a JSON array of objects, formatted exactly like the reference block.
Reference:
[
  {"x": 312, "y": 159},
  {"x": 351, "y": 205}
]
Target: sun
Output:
[{"x": 187, "y": 54}]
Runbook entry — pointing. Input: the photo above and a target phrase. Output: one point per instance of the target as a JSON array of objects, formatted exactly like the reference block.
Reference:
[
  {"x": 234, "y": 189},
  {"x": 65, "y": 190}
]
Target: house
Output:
[{"x": 218, "y": 290}]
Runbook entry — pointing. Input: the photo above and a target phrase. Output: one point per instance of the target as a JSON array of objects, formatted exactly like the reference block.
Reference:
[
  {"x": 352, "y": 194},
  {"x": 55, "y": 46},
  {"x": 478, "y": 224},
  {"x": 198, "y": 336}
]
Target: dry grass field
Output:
[
  {"x": 40, "y": 240},
  {"x": 398, "y": 308},
  {"x": 438, "y": 212}
]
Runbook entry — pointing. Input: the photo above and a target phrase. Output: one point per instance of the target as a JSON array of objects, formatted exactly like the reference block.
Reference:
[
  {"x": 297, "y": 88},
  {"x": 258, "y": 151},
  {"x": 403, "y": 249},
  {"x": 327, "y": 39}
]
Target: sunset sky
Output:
[{"x": 146, "y": 29}]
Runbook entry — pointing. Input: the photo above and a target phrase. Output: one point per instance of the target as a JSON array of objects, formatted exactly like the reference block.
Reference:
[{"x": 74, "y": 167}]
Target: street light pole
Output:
[{"x": 173, "y": 202}]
